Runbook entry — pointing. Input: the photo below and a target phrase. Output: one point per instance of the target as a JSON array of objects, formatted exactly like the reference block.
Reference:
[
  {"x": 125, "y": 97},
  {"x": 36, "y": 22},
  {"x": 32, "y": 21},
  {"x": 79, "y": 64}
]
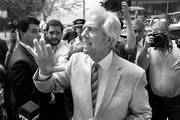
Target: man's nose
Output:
[
  {"x": 136, "y": 33},
  {"x": 84, "y": 33},
  {"x": 38, "y": 36},
  {"x": 54, "y": 35}
]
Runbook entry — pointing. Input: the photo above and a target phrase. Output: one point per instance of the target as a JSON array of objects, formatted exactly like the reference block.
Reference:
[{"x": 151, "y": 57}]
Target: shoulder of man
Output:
[
  {"x": 19, "y": 55},
  {"x": 130, "y": 67},
  {"x": 80, "y": 57}
]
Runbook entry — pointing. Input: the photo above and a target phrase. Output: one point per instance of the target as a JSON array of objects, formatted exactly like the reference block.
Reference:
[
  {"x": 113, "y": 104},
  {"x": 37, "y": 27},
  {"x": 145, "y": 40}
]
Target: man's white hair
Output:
[{"x": 109, "y": 21}]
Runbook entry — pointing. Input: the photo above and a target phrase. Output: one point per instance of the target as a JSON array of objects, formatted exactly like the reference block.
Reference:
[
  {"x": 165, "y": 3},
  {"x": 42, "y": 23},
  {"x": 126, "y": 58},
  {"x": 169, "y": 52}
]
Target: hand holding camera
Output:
[
  {"x": 13, "y": 25},
  {"x": 156, "y": 39},
  {"x": 149, "y": 39}
]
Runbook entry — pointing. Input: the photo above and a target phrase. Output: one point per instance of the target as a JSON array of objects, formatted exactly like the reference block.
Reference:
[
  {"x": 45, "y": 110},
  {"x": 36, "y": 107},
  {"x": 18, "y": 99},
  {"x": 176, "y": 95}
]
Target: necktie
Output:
[{"x": 94, "y": 84}]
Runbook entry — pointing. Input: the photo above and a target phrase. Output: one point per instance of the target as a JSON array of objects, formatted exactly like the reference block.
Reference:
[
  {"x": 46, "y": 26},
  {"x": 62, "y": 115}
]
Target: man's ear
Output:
[
  {"x": 45, "y": 32},
  {"x": 21, "y": 34},
  {"x": 109, "y": 41}
]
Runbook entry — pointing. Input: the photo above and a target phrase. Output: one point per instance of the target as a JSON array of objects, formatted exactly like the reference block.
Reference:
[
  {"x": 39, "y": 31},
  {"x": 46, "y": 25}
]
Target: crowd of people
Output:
[{"x": 90, "y": 72}]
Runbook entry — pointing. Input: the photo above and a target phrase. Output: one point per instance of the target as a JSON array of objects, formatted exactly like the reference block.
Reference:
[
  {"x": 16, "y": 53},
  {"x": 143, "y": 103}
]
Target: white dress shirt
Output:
[{"x": 103, "y": 77}]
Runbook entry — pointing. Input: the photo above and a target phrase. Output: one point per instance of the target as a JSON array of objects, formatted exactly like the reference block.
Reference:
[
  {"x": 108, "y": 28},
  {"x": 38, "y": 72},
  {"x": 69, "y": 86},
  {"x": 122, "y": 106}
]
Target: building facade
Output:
[{"x": 156, "y": 7}]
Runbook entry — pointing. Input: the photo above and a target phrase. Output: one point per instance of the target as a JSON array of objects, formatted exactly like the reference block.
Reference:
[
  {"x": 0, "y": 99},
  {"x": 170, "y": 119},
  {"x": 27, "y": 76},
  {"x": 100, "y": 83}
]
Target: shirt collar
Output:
[
  {"x": 140, "y": 43},
  {"x": 60, "y": 45},
  {"x": 106, "y": 62},
  {"x": 23, "y": 44}
]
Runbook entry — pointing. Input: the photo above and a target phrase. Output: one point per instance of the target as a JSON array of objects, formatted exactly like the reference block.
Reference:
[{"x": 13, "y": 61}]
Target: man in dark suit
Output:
[
  {"x": 22, "y": 67},
  {"x": 3, "y": 75}
]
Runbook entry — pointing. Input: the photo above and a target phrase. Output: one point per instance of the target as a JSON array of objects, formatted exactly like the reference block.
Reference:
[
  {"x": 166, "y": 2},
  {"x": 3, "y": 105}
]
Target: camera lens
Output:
[{"x": 158, "y": 39}]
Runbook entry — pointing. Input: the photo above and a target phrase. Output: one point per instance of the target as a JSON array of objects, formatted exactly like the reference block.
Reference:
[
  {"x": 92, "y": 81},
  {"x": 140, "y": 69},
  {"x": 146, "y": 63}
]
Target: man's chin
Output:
[
  {"x": 85, "y": 51},
  {"x": 54, "y": 43}
]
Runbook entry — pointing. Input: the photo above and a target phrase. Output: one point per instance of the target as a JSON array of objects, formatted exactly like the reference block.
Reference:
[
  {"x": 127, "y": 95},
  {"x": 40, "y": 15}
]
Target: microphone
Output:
[{"x": 28, "y": 111}]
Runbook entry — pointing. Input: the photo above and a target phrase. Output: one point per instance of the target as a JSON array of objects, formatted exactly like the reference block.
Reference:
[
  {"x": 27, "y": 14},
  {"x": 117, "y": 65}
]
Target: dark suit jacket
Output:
[
  {"x": 3, "y": 51},
  {"x": 21, "y": 69}
]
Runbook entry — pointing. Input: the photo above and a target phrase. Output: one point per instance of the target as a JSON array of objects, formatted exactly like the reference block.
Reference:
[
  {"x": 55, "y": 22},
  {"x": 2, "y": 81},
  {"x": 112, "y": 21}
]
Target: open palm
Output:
[{"x": 43, "y": 55}]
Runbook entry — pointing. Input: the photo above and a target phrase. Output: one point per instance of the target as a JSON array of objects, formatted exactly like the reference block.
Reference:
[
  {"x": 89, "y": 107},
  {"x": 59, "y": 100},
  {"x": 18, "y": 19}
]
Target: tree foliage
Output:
[
  {"x": 60, "y": 7},
  {"x": 19, "y": 8}
]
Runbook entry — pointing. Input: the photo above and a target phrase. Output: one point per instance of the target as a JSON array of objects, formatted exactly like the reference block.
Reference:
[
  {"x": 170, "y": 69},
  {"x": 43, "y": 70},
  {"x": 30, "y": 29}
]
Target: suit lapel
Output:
[
  {"x": 112, "y": 84},
  {"x": 85, "y": 88},
  {"x": 31, "y": 58}
]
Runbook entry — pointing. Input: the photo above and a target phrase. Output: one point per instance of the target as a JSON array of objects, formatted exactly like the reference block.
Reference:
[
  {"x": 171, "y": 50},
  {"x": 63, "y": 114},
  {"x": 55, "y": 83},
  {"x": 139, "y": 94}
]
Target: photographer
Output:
[
  {"x": 12, "y": 25},
  {"x": 160, "y": 57}
]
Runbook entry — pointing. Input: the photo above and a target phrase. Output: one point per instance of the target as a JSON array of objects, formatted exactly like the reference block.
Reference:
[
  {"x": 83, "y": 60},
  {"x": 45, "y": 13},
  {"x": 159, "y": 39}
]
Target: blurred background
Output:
[{"x": 69, "y": 10}]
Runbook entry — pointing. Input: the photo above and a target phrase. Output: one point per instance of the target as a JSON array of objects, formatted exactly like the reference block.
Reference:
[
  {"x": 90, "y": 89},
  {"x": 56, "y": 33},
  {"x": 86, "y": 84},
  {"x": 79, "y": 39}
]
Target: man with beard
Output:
[{"x": 53, "y": 35}]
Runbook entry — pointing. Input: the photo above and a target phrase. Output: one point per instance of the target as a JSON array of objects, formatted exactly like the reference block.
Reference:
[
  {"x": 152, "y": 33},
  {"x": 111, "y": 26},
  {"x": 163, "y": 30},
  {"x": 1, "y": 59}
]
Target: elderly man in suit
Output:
[{"x": 113, "y": 90}]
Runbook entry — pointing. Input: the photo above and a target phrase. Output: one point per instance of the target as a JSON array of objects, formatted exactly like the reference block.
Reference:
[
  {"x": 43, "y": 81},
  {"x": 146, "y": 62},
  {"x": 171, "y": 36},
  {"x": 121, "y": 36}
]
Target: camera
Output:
[
  {"x": 13, "y": 24},
  {"x": 160, "y": 39},
  {"x": 114, "y": 5},
  {"x": 111, "y": 5},
  {"x": 177, "y": 43}
]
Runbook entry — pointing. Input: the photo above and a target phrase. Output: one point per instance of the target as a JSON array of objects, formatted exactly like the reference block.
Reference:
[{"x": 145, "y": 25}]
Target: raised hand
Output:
[
  {"x": 125, "y": 10},
  {"x": 148, "y": 40},
  {"x": 44, "y": 57}
]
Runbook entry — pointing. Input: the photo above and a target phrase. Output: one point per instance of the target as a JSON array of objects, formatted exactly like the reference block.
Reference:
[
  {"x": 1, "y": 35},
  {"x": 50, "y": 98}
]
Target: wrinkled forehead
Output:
[
  {"x": 54, "y": 28},
  {"x": 96, "y": 14},
  {"x": 95, "y": 20}
]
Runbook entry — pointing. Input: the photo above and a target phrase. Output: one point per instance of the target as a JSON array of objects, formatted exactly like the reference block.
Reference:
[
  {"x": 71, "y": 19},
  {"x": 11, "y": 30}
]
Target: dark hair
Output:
[
  {"x": 111, "y": 5},
  {"x": 122, "y": 24},
  {"x": 24, "y": 23},
  {"x": 54, "y": 22}
]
